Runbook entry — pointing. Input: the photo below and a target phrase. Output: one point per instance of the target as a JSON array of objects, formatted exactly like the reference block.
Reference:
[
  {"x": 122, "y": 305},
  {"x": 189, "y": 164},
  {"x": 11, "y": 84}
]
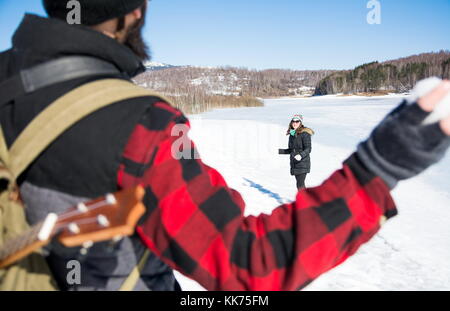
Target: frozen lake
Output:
[{"x": 411, "y": 252}]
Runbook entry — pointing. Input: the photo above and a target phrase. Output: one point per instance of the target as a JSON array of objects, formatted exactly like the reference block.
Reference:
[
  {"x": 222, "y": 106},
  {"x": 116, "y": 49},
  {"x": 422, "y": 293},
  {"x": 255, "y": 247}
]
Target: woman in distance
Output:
[{"x": 299, "y": 149}]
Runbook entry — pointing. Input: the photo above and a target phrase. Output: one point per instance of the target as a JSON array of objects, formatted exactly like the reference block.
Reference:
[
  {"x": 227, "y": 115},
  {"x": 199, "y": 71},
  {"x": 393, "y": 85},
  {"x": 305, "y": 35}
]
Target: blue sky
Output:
[{"x": 295, "y": 34}]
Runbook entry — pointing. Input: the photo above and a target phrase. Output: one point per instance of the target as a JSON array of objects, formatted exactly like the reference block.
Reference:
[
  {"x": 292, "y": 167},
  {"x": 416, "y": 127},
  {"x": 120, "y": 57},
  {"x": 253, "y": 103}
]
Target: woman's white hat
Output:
[{"x": 297, "y": 117}]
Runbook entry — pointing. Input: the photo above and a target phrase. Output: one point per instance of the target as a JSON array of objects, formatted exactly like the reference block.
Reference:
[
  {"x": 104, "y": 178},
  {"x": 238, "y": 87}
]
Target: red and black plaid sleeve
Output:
[{"x": 196, "y": 223}]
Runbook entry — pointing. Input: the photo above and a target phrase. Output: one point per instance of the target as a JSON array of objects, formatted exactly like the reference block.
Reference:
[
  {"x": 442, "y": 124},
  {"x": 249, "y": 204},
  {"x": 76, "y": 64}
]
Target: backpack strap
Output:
[
  {"x": 55, "y": 71},
  {"x": 135, "y": 274},
  {"x": 5, "y": 173},
  {"x": 64, "y": 113},
  {"x": 4, "y": 156}
]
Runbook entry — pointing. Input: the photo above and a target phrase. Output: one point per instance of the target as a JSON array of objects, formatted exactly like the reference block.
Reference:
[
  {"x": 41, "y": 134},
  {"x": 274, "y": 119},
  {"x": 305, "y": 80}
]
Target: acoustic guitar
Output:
[{"x": 107, "y": 218}]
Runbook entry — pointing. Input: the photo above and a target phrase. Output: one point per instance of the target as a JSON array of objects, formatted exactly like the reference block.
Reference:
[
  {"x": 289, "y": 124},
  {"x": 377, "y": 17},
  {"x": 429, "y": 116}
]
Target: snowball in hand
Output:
[{"x": 424, "y": 87}]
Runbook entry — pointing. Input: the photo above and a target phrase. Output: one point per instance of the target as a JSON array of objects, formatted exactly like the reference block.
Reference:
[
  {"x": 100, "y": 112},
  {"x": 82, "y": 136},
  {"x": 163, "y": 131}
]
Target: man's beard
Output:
[{"x": 134, "y": 38}]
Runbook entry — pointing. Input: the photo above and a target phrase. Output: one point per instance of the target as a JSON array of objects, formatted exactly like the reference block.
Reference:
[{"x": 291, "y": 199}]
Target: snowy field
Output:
[{"x": 411, "y": 252}]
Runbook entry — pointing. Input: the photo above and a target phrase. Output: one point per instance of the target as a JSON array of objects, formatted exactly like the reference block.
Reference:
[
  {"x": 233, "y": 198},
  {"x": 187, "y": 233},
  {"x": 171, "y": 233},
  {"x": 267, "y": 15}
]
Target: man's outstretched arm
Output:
[{"x": 195, "y": 222}]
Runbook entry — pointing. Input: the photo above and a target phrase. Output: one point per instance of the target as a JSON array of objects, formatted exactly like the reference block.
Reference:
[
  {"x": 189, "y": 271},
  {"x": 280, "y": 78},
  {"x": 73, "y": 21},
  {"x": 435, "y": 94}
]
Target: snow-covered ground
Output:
[{"x": 411, "y": 252}]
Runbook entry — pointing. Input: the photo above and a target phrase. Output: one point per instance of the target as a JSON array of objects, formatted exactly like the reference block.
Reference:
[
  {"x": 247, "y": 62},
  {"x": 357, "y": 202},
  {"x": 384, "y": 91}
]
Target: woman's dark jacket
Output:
[{"x": 300, "y": 144}]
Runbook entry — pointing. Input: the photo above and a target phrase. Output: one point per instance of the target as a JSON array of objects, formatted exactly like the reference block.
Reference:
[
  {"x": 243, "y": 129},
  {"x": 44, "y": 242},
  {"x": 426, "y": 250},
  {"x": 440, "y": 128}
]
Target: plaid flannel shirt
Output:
[{"x": 195, "y": 223}]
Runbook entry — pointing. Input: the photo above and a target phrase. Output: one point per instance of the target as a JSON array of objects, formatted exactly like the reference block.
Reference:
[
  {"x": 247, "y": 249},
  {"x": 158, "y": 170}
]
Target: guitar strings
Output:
[
  {"x": 30, "y": 236},
  {"x": 80, "y": 222},
  {"x": 16, "y": 244},
  {"x": 20, "y": 242},
  {"x": 76, "y": 212}
]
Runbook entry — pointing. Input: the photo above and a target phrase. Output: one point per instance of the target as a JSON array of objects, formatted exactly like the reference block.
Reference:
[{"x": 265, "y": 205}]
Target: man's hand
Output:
[
  {"x": 402, "y": 147},
  {"x": 298, "y": 157}
]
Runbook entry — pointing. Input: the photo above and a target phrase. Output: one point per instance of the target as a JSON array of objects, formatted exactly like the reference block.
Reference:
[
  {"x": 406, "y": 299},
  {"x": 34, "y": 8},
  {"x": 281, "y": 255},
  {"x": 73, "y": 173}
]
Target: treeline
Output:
[
  {"x": 198, "y": 101},
  {"x": 391, "y": 76},
  {"x": 236, "y": 81},
  {"x": 279, "y": 82},
  {"x": 192, "y": 94},
  {"x": 196, "y": 89}
]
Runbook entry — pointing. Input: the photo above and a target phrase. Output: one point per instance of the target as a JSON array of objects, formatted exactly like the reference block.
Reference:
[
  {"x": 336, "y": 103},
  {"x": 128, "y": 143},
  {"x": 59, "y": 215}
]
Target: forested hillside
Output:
[
  {"x": 198, "y": 89},
  {"x": 391, "y": 76}
]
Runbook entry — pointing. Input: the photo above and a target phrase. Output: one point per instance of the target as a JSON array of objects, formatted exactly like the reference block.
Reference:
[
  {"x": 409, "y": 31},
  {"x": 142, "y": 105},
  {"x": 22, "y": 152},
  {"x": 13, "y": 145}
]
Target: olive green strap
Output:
[
  {"x": 65, "y": 112},
  {"x": 4, "y": 156},
  {"x": 5, "y": 174},
  {"x": 135, "y": 274}
]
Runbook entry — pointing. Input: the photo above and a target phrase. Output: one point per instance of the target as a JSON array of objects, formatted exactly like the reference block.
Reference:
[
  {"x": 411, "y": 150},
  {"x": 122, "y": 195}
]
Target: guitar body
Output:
[{"x": 29, "y": 273}]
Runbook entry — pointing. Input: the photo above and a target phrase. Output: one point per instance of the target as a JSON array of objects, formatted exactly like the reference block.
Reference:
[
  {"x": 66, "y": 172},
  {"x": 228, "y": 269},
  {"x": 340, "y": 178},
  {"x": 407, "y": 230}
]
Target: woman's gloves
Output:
[
  {"x": 298, "y": 157},
  {"x": 401, "y": 146}
]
